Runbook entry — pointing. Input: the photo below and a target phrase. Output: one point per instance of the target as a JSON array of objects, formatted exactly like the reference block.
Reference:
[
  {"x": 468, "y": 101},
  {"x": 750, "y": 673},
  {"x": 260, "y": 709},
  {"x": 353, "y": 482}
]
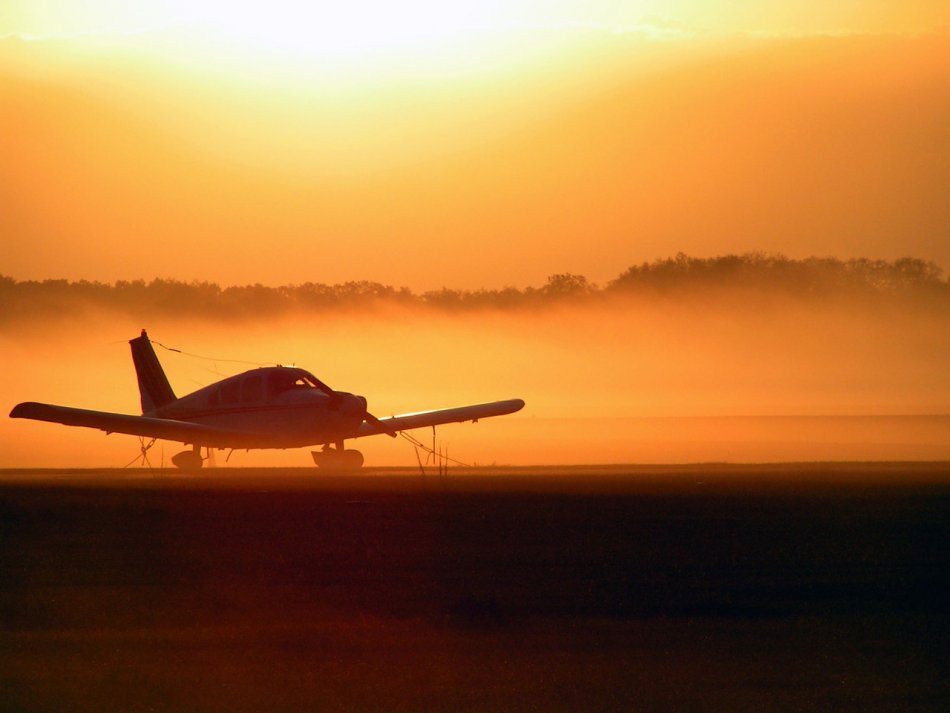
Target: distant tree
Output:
[
  {"x": 811, "y": 276},
  {"x": 567, "y": 285},
  {"x": 677, "y": 276}
]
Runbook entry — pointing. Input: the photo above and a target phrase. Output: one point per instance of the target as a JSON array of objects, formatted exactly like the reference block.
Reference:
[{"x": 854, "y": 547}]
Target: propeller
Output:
[{"x": 381, "y": 425}]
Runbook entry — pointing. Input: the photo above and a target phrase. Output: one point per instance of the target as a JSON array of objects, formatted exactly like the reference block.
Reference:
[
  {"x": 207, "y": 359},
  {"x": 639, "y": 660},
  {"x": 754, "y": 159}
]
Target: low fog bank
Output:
[
  {"x": 753, "y": 275},
  {"x": 682, "y": 360}
]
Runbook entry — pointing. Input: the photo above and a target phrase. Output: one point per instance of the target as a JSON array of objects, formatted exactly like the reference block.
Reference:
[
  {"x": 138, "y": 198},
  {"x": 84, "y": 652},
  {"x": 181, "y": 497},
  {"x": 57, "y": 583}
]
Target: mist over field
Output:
[
  {"x": 739, "y": 358},
  {"x": 905, "y": 283}
]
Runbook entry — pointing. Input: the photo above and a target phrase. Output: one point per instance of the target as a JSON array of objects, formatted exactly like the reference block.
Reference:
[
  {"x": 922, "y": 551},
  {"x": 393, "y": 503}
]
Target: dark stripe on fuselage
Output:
[{"x": 189, "y": 414}]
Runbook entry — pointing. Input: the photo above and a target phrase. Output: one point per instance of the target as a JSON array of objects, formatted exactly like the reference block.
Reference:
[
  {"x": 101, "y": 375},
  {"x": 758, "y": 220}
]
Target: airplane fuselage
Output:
[{"x": 281, "y": 402}]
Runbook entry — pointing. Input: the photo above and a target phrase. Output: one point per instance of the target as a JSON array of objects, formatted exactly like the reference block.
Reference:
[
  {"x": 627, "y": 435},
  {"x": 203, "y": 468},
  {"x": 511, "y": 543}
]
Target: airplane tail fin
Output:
[{"x": 153, "y": 384}]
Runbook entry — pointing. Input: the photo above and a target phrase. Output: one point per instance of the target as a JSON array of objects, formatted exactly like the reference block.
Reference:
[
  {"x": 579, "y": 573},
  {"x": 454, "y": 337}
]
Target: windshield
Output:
[{"x": 286, "y": 379}]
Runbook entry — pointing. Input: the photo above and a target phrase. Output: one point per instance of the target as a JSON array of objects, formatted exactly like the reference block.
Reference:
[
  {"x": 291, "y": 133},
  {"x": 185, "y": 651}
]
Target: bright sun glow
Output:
[{"x": 333, "y": 29}]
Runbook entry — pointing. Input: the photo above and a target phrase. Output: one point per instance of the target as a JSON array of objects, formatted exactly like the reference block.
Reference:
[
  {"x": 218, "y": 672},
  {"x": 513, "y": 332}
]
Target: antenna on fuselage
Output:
[{"x": 208, "y": 358}]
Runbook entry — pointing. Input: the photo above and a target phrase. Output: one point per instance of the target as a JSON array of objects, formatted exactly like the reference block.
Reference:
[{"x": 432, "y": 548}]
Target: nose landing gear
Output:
[{"x": 338, "y": 460}]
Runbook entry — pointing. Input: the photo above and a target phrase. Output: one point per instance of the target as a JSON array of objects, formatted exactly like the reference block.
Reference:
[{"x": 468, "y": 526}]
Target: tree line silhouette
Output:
[{"x": 681, "y": 275}]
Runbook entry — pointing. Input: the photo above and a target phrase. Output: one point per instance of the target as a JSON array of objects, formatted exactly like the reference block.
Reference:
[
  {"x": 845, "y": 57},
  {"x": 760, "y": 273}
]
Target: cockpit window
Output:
[
  {"x": 285, "y": 380},
  {"x": 313, "y": 382}
]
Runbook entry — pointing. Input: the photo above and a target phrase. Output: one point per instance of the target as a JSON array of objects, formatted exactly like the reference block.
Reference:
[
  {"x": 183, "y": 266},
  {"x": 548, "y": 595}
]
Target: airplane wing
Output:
[
  {"x": 439, "y": 416},
  {"x": 164, "y": 428}
]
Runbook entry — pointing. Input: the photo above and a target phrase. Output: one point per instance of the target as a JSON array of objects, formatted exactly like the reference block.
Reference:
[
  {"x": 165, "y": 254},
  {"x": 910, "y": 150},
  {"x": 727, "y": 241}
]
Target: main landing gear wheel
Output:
[
  {"x": 338, "y": 460},
  {"x": 188, "y": 460}
]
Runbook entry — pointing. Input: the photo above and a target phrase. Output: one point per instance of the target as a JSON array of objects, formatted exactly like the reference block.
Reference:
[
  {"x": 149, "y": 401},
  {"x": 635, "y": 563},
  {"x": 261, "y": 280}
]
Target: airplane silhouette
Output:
[{"x": 269, "y": 407}]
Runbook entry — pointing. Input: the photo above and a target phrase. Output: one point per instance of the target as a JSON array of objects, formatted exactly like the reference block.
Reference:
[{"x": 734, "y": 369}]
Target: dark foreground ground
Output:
[{"x": 817, "y": 587}]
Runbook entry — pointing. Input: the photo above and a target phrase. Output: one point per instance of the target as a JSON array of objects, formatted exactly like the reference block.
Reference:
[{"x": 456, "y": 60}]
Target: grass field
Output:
[{"x": 709, "y": 587}]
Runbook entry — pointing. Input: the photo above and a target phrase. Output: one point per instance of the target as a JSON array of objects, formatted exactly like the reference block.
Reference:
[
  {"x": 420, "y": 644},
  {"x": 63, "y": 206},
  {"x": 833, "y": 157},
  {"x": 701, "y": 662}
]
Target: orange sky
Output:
[
  {"x": 202, "y": 151},
  {"x": 485, "y": 144}
]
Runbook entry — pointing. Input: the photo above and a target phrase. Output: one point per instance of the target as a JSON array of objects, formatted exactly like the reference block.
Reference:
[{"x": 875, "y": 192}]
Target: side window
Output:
[
  {"x": 277, "y": 382},
  {"x": 252, "y": 389},
  {"x": 231, "y": 392},
  {"x": 213, "y": 397}
]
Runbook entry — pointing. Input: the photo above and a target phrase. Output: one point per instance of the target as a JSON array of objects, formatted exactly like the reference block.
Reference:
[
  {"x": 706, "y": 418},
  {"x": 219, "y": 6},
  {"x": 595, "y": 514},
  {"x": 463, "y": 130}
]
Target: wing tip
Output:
[
  {"x": 24, "y": 410},
  {"x": 514, "y": 404}
]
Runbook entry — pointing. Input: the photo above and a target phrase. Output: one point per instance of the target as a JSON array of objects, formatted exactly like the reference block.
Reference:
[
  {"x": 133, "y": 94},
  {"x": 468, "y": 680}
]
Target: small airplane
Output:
[{"x": 269, "y": 407}]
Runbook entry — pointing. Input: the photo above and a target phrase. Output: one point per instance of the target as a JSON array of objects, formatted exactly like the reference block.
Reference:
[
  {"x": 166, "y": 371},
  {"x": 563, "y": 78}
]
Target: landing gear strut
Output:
[
  {"x": 188, "y": 460},
  {"x": 338, "y": 459}
]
